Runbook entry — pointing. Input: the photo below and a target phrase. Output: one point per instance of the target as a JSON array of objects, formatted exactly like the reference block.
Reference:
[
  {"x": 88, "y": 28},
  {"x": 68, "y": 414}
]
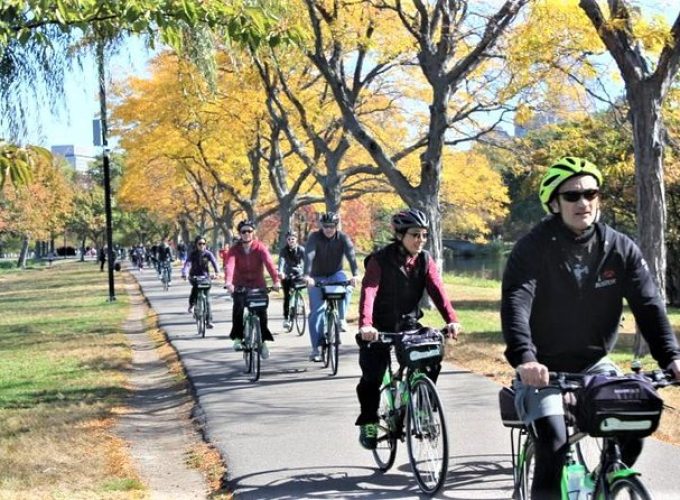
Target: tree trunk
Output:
[
  {"x": 285, "y": 216},
  {"x": 645, "y": 116},
  {"x": 23, "y": 254}
]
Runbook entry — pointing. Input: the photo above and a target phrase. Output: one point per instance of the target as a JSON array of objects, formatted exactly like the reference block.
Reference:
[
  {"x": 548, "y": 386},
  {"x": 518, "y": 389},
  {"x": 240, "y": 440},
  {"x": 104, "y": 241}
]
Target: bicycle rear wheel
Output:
[
  {"x": 256, "y": 345},
  {"x": 165, "y": 279},
  {"x": 386, "y": 449},
  {"x": 427, "y": 439},
  {"x": 627, "y": 488},
  {"x": 300, "y": 314}
]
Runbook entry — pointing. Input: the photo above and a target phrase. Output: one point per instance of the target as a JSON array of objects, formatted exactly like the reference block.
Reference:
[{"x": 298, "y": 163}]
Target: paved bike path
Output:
[{"x": 291, "y": 435}]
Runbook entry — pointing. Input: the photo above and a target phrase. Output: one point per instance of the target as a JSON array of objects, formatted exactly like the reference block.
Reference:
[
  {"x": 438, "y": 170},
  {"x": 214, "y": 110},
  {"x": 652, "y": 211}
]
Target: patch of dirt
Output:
[{"x": 164, "y": 444}]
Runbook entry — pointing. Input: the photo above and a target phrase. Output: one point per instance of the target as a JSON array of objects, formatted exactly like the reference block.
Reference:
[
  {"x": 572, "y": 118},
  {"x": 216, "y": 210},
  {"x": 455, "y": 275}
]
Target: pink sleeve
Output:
[
  {"x": 369, "y": 289},
  {"x": 435, "y": 289},
  {"x": 229, "y": 267}
]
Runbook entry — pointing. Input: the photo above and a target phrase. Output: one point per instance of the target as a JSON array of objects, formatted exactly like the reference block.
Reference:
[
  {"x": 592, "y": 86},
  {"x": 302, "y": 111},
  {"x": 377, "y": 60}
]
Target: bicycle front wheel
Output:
[
  {"x": 333, "y": 345},
  {"x": 300, "y": 314},
  {"x": 589, "y": 452},
  {"x": 199, "y": 313},
  {"x": 627, "y": 488},
  {"x": 256, "y": 345},
  {"x": 427, "y": 439},
  {"x": 388, "y": 428},
  {"x": 524, "y": 474}
]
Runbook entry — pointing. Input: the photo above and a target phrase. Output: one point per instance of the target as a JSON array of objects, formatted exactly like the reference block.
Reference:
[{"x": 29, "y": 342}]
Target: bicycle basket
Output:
[
  {"x": 506, "y": 403},
  {"x": 418, "y": 350},
  {"x": 333, "y": 292},
  {"x": 618, "y": 406},
  {"x": 202, "y": 282},
  {"x": 257, "y": 300}
]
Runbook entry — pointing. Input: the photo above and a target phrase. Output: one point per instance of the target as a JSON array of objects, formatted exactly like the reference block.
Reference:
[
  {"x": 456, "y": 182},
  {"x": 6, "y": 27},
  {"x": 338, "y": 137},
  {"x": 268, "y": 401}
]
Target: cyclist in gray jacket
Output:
[
  {"x": 324, "y": 251},
  {"x": 563, "y": 291}
]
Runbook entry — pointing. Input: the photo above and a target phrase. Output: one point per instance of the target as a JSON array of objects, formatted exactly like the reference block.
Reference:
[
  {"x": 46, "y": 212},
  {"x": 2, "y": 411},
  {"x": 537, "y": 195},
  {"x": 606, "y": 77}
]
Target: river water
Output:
[{"x": 483, "y": 266}]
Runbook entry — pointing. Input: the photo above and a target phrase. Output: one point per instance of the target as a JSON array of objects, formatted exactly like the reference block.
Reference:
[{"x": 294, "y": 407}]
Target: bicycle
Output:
[
  {"x": 165, "y": 275},
  {"x": 202, "y": 309},
  {"x": 332, "y": 293},
  {"x": 410, "y": 409},
  {"x": 596, "y": 458},
  {"x": 297, "y": 311},
  {"x": 256, "y": 300}
]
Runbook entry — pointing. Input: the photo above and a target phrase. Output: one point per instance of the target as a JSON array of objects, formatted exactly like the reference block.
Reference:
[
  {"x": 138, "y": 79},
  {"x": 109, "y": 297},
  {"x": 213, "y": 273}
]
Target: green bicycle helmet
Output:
[{"x": 562, "y": 170}]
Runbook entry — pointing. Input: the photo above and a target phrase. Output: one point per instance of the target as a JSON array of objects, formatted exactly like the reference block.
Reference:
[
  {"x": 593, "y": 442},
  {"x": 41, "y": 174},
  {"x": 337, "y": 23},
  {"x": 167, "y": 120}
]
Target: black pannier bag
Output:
[
  {"x": 420, "y": 349},
  {"x": 506, "y": 403},
  {"x": 618, "y": 406}
]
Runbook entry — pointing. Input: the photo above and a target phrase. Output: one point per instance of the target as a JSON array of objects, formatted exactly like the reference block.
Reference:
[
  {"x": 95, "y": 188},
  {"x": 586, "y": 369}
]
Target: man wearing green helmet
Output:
[{"x": 563, "y": 291}]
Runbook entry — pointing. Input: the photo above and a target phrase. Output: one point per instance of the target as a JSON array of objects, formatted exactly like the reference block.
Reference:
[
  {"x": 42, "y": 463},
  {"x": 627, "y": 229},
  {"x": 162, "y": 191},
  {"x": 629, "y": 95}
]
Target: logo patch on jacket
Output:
[{"x": 606, "y": 278}]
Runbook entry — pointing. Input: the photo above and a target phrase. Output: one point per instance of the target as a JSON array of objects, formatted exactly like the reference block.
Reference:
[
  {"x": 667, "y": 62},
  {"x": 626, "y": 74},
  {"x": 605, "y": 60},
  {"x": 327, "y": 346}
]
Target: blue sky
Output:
[{"x": 74, "y": 125}]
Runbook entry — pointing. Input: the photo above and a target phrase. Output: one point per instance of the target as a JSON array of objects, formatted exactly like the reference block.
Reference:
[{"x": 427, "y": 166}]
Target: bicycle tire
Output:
[
  {"x": 427, "y": 440},
  {"x": 589, "y": 452},
  {"x": 524, "y": 474},
  {"x": 256, "y": 345},
  {"x": 204, "y": 316},
  {"x": 165, "y": 278},
  {"x": 388, "y": 428},
  {"x": 198, "y": 314},
  {"x": 627, "y": 488},
  {"x": 247, "y": 343},
  {"x": 325, "y": 348},
  {"x": 300, "y": 315},
  {"x": 334, "y": 346}
]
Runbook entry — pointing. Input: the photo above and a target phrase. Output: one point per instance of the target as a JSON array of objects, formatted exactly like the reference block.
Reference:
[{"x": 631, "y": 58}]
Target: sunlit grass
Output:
[{"x": 63, "y": 351}]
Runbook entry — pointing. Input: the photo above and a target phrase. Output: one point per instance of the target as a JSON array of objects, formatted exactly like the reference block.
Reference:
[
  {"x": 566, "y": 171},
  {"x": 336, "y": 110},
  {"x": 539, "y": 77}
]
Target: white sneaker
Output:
[
  {"x": 343, "y": 325},
  {"x": 286, "y": 324},
  {"x": 264, "y": 351},
  {"x": 238, "y": 345}
]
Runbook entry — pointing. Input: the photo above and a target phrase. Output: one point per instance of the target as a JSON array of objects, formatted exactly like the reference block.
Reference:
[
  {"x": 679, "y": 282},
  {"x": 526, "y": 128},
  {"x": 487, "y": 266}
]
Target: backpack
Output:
[{"x": 618, "y": 406}]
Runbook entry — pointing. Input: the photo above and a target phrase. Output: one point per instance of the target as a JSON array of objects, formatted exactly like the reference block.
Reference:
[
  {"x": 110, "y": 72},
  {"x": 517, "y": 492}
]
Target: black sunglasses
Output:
[
  {"x": 574, "y": 196},
  {"x": 201, "y": 243},
  {"x": 244, "y": 231}
]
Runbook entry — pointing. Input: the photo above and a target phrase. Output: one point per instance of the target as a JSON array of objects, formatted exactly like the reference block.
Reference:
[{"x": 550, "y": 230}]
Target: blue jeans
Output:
[{"x": 317, "y": 307}]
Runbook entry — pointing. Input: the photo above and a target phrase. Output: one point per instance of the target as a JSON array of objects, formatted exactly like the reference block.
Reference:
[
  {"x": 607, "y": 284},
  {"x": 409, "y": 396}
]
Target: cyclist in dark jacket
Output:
[
  {"x": 198, "y": 265},
  {"x": 563, "y": 290},
  {"x": 395, "y": 280},
  {"x": 165, "y": 258},
  {"x": 291, "y": 267}
]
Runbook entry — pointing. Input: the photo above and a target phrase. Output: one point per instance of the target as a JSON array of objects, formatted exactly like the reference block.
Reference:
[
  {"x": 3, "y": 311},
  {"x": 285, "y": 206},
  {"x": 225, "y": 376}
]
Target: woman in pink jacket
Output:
[{"x": 246, "y": 261}]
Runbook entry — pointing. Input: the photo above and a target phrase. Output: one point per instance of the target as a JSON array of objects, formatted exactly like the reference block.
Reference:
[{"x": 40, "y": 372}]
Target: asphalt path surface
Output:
[{"x": 291, "y": 435}]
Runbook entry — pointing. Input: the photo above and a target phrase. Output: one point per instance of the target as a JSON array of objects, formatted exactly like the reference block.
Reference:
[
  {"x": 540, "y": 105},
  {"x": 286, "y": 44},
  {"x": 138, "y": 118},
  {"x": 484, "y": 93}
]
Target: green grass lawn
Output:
[{"x": 61, "y": 376}]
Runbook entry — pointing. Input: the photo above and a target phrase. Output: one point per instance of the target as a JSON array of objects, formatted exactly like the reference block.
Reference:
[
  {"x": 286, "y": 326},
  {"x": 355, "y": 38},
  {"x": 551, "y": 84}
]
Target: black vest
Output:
[{"x": 396, "y": 304}]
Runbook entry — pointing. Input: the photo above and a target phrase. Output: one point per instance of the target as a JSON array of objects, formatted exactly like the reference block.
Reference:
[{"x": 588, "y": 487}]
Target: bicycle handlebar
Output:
[
  {"x": 391, "y": 337},
  {"x": 319, "y": 284},
  {"x": 570, "y": 382}
]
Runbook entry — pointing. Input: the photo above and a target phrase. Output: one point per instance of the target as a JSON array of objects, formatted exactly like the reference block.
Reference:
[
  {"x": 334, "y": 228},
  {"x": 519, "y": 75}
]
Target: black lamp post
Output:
[{"x": 105, "y": 159}]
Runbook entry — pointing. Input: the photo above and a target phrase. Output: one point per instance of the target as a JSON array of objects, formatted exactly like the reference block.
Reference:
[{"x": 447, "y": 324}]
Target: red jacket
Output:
[{"x": 247, "y": 269}]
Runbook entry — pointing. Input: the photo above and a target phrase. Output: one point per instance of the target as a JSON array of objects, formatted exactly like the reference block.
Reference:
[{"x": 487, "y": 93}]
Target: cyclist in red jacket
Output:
[{"x": 246, "y": 261}]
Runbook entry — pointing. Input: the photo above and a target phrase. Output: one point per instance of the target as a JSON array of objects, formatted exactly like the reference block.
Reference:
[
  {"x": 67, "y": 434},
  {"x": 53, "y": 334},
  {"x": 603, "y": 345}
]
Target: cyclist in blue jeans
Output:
[{"x": 324, "y": 251}]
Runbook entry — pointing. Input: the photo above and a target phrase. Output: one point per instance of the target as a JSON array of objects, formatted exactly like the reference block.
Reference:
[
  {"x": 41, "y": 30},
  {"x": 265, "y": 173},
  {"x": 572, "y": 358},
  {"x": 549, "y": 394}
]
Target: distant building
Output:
[{"x": 79, "y": 157}]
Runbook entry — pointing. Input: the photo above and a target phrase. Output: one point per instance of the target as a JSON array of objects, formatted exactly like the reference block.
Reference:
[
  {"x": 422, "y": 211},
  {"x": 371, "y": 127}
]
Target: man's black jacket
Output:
[{"x": 547, "y": 318}]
